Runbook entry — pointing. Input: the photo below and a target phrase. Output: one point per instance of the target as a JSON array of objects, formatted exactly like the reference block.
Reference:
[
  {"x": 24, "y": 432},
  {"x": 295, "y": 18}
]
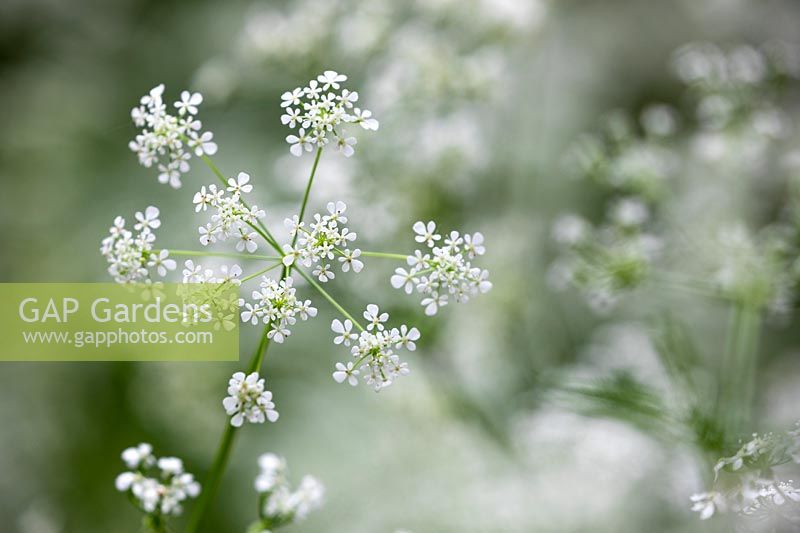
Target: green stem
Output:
[
  {"x": 308, "y": 191},
  {"x": 200, "y": 253},
  {"x": 737, "y": 379},
  {"x": 384, "y": 255},
  {"x": 330, "y": 298},
  {"x": 262, "y": 271},
  {"x": 212, "y": 481}
]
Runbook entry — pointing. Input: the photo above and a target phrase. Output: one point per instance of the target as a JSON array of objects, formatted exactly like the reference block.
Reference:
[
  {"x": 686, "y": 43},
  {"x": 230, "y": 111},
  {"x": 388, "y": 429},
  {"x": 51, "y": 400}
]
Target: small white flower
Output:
[
  {"x": 345, "y": 145},
  {"x": 188, "y": 103},
  {"x": 299, "y": 143},
  {"x": 407, "y": 337},
  {"x": 364, "y": 118},
  {"x": 345, "y": 331},
  {"x": 426, "y": 232},
  {"x": 203, "y": 144},
  {"x": 346, "y": 372},
  {"x": 141, "y": 455},
  {"x": 375, "y": 317},
  {"x": 330, "y": 79},
  {"x": 247, "y": 241},
  {"x": 323, "y": 272},
  {"x": 248, "y": 400},
  {"x": 241, "y": 184},
  {"x": 292, "y": 98},
  {"x": 350, "y": 259},
  {"x": 149, "y": 220}
]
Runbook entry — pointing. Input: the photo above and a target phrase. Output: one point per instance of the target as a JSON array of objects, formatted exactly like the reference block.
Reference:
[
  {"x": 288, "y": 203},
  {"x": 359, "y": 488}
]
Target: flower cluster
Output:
[
  {"x": 233, "y": 217},
  {"x": 444, "y": 271},
  {"x": 607, "y": 260},
  {"x": 158, "y": 486},
  {"x": 747, "y": 481},
  {"x": 373, "y": 350},
  {"x": 279, "y": 504},
  {"x": 196, "y": 273},
  {"x": 319, "y": 114},
  {"x": 276, "y": 304},
  {"x": 164, "y": 137},
  {"x": 130, "y": 255},
  {"x": 320, "y": 242},
  {"x": 248, "y": 400}
]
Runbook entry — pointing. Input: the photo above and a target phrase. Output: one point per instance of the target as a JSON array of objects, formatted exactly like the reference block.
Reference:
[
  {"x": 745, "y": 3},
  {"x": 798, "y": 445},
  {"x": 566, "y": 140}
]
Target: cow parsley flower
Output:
[
  {"x": 233, "y": 217},
  {"x": 280, "y": 504},
  {"x": 276, "y": 304},
  {"x": 373, "y": 350},
  {"x": 158, "y": 486},
  {"x": 707, "y": 503},
  {"x": 164, "y": 138},
  {"x": 248, "y": 400},
  {"x": 321, "y": 114},
  {"x": 320, "y": 243},
  {"x": 445, "y": 271},
  {"x": 131, "y": 255}
]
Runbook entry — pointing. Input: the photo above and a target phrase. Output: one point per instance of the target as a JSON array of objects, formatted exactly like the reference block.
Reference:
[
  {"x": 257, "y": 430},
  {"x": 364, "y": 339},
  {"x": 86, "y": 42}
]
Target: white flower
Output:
[
  {"x": 330, "y": 79},
  {"x": 375, "y": 317},
  {"x": 161, "y": 262},
  {"x": 426, "y": 232},
  {"x": 248, "y": 400},
  {"x": 445, "y": 273},
  {"x": 241, "y": 184},
  {"x": 345, "y": 145},
  {"x": 247, "y": 241},
  {"x": 323, "y": 272},
  {"x": 349, "y": 259},
  {"x": 364, "y": 118},
  {"x": 346, "y": 372},
  {"x": 149, "y": 220},
  {"x": 188, "y": 103},
  {"x": 707, "y": 503},
  {"x": 292, "y": 97},
  {"x": 202, "y": 143},
  {"x": 630, "y": 212},
  {"x": 403, "y": 278},
  {"x": 299, "y": 143},
  {"x": 141, "y": 455},
  {"x": 345, "y": 331},
  {"x": 273, "y": 472}
]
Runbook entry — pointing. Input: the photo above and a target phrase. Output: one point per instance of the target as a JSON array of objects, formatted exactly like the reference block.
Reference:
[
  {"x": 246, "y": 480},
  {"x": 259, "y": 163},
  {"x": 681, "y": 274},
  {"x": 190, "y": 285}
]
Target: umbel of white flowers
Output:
[
  {"x": 157, "y": 486},
  {"x": 752, "y": 488},
  {"x": 248, "y": 400},
  {"x": 164, "y": 137},
  {"x": 444, "y": 271},
  {"x": 279, "y": 505},
  {"x": 319, "y": 114},
  {"x": 373, "y": 350},
  {"x": 130, "y": 256}
]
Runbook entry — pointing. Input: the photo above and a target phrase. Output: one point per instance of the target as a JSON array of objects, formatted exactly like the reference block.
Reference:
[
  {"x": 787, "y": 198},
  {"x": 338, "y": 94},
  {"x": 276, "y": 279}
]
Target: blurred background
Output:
[{"x": 529, "y": 408}]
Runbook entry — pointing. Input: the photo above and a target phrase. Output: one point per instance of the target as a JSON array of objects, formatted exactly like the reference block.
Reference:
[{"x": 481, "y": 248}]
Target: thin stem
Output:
[
  {"x": 308, "y": 191},
  {"x": 200, "y": 253},
  {"x": 262, "y": 271},
  {"x": 384, "y": 255},
  {"x": 737, "y": 379},
  {"x": 330, "y": 298},
  {"x": 212, "y": 481}
]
